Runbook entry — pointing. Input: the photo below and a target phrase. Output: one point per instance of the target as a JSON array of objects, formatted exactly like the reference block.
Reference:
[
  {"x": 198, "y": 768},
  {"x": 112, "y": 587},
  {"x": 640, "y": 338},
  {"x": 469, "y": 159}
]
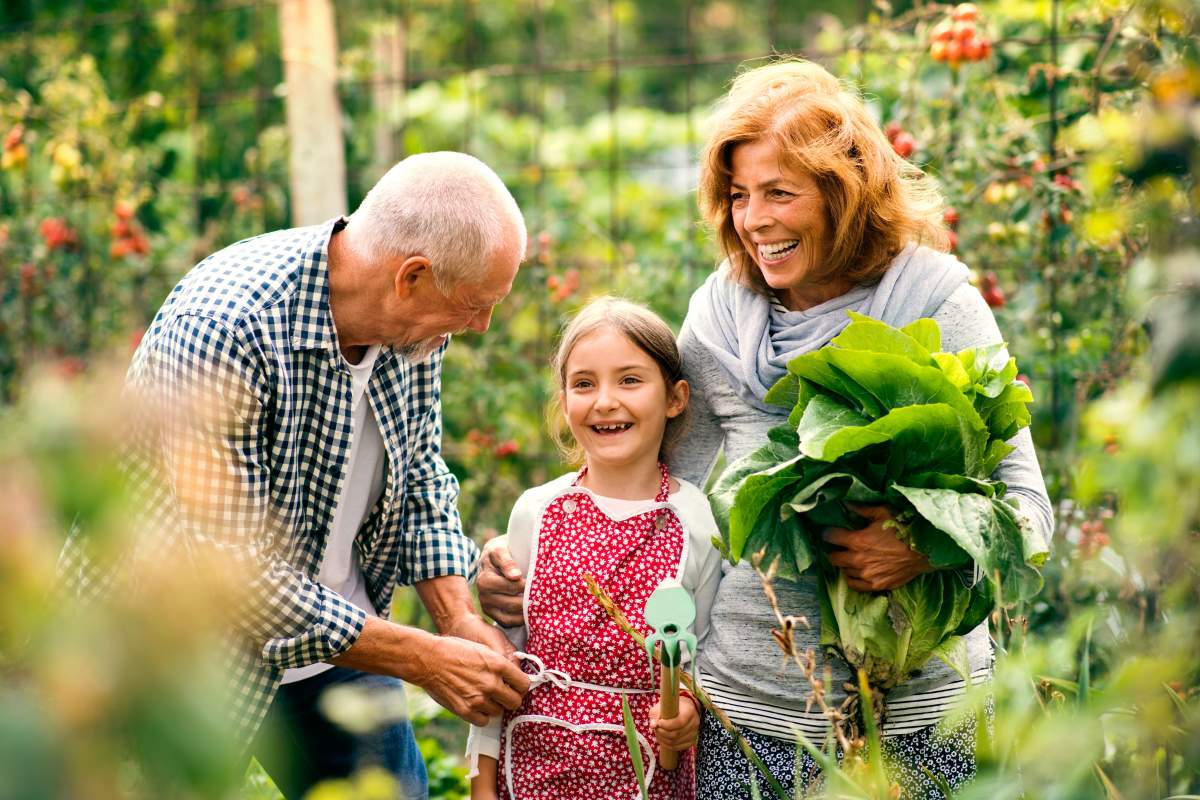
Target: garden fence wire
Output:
[{"x": 193, "y": 98}]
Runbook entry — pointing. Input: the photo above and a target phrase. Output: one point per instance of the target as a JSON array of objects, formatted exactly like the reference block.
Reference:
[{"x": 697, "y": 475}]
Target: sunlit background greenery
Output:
[{"x": 139, "y": 136}]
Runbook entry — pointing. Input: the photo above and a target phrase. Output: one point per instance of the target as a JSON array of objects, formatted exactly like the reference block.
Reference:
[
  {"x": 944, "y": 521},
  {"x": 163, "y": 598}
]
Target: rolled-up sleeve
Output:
[{"x": 434, "y": 542}]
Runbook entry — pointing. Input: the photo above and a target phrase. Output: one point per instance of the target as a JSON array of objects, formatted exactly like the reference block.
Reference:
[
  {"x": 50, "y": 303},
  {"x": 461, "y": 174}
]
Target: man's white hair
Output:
[{"x": 449, "y": 207}]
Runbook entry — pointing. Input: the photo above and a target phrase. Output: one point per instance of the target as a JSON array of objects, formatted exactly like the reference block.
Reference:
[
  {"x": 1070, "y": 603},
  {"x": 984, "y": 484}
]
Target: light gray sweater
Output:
[{"x": 739, "y": 649}]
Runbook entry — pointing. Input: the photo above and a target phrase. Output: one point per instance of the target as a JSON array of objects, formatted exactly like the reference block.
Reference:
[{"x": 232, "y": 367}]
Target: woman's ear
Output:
[{"x": 677, "y": 399}]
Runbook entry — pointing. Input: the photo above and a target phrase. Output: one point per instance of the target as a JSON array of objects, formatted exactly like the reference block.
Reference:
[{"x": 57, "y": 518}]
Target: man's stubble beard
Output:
[{"x": 416, "y": 352}]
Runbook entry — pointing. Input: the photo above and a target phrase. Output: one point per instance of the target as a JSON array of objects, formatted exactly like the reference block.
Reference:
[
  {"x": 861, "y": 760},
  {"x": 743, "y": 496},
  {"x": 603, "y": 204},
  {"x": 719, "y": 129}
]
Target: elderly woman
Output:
[{"x": 817, "y": 216}]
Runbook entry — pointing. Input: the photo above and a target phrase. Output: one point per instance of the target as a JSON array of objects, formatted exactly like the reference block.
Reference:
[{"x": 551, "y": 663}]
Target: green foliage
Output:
[
  {"x": 1075, "y": 187},
  {"x": 633, "y": 746}
]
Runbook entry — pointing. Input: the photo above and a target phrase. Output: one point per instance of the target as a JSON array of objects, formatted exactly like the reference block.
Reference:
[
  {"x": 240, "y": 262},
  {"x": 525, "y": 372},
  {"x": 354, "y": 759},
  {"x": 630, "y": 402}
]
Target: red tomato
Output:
[
  {"x": 904, "y": 144},
  {"x": 994, "y": 297}
]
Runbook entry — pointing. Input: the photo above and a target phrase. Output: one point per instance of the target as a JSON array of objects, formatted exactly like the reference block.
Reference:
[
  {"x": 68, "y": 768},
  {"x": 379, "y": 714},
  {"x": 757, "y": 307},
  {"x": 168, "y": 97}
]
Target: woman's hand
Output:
[
  {"x": 874, "y": 559},
  {"x": 500, "y": 584},
  {"x": 680, "y": 733}
]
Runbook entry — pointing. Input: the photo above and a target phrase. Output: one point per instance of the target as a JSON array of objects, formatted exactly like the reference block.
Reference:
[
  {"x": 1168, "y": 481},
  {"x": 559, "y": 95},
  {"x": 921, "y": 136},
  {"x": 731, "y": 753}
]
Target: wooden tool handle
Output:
[{"x": 668, "y": 709}]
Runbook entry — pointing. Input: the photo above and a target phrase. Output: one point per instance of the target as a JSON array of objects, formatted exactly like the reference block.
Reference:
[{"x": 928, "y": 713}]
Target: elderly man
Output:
[{"x": 298, "y": 374}]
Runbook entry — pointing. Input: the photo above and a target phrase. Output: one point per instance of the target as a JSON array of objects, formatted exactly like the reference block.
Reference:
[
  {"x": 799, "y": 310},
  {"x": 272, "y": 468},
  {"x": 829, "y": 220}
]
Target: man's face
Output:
[{"x": 439, "y": 314}]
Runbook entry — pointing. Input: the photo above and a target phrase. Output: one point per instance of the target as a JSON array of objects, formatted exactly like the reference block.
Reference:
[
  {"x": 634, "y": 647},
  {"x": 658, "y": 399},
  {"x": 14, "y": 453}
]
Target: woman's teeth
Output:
[{"x": 777, "y": 251}]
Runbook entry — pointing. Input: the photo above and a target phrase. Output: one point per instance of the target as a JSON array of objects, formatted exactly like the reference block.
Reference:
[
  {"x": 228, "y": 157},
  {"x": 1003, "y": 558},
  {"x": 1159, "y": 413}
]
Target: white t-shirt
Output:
[{"x": 362, "y": 486}]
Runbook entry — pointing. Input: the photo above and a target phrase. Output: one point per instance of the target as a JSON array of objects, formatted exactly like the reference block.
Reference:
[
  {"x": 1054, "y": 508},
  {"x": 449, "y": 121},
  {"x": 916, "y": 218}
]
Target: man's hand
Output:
[
  {"x": 471, "y": 680},
  {"x": 474, "y": 628},
  {"x": 681, "y": 732},
  {"x": 500, "y": 584},
  {"x": 874, "y": 559}
]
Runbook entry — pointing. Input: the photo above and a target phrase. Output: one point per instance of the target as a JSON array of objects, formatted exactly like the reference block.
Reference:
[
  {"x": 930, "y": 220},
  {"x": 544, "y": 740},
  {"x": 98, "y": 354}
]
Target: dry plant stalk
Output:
[
  {"x": 841, "y": 719},
  {"x": 618, "y": 616}
]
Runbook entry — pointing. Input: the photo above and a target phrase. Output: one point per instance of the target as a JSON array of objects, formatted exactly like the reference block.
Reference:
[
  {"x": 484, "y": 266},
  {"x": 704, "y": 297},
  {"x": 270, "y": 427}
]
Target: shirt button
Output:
[
  {"x": 568, "y": 506},
  {"x": 660, "y": 522}
]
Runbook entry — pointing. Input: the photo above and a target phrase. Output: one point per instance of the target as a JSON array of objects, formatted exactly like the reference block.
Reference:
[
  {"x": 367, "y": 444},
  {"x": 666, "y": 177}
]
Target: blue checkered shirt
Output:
[{"x": 250, "y": 452}]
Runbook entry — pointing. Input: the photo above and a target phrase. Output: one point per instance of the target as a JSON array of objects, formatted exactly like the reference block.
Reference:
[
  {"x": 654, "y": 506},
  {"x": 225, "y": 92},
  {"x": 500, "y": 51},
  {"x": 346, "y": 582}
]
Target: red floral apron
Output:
[{"x": 567, "y": 739}]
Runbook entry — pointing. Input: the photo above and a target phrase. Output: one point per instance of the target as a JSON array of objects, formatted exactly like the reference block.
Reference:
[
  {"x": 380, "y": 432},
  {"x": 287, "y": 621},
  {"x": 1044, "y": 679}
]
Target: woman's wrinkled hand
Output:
[
  {"x": 874, "y": 559},
  {"x": 500, "y": 584}
]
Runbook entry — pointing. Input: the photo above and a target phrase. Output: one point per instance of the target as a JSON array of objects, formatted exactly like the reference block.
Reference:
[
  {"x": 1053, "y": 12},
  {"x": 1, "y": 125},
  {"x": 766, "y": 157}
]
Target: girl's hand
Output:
[
  {"x": 680, "y": 733},
  {"x": 874, "y": 559}
]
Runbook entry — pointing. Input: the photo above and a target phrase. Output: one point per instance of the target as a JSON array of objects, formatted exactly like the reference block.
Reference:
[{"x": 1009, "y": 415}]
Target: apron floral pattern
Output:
[{"x": 567, "y": 739}]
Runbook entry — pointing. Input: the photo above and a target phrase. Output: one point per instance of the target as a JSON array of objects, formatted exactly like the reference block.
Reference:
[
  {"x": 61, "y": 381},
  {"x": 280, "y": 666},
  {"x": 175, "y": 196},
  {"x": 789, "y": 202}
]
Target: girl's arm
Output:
[
  {"x": 484, "y": 784},
  {"x": 702, "y": 573}
]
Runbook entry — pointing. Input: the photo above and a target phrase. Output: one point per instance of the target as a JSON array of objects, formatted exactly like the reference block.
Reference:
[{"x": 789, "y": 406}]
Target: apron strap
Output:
[{"x": 664, "y": 485}]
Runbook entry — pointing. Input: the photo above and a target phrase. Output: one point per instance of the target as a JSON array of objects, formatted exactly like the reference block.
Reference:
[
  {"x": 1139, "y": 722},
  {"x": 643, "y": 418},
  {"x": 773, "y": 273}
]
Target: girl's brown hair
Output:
[
  {"x": 876, "y": 201},
  {"x": 642, "y": 327}
]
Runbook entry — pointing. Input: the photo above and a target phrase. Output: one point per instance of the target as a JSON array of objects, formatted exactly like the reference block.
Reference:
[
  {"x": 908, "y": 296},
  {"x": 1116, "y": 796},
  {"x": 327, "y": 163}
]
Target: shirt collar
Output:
[{"x": 313, "y": 327}]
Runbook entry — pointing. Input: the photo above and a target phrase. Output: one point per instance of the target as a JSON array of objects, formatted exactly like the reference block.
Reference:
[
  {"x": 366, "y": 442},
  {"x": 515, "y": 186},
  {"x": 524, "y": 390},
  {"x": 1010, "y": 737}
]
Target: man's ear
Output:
[
  {"x": 678, "y": 399},
  {"x": 412, "y": 271}
]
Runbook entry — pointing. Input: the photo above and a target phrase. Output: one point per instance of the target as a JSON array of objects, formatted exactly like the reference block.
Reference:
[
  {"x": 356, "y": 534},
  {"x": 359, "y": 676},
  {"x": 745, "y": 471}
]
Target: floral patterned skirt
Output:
[{"x": 946, "y": 750}]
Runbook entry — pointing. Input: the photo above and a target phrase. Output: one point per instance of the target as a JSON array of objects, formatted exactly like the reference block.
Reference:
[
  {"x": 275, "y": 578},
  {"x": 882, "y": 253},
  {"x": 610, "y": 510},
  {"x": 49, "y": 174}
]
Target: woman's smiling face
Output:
[{"x": 782, "y": 221}]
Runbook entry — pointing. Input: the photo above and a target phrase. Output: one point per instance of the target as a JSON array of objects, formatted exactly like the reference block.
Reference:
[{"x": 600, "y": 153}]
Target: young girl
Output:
[{"x": 623, "y": 519}]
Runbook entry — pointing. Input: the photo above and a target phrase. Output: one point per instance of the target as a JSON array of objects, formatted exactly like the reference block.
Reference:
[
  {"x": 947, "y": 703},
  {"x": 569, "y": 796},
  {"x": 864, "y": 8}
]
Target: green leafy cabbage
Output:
[{"x": 881, "y": 416}]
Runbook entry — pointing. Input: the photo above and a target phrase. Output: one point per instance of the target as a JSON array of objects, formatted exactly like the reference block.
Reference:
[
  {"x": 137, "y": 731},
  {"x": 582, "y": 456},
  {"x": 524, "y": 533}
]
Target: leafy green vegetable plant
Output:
[{"x": 882, "y": 417}]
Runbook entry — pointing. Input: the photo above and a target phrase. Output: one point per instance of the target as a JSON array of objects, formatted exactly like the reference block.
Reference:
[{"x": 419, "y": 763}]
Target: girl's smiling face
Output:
[
  {"x": 617, "y": 402},
  {"x": 781, "y": 218}
]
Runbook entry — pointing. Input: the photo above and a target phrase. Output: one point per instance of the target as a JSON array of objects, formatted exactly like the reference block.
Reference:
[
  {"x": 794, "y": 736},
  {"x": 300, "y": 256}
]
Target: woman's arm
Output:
[
  {"x": 693, "y": 456},
  {"x": 874, "y": 559},
  {"x": 966, "y": 321}
]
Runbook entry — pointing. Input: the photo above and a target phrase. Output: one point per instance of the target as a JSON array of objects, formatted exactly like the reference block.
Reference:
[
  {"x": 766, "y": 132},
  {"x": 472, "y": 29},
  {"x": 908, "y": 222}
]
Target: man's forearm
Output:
[
  {"x": 448, "y": 601},
  {"x": 386, "y": 648}
]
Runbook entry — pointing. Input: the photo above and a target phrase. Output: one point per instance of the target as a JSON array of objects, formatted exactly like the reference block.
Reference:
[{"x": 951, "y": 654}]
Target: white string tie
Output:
[{"x": 544, "y": 675}]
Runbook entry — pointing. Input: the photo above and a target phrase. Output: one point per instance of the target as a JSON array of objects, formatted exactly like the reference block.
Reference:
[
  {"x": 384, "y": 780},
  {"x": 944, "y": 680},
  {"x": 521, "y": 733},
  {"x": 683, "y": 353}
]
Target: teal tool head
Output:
[{"x": 669, "y": 611}]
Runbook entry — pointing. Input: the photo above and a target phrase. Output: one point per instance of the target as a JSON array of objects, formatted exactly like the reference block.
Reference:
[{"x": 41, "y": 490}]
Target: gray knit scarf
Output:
[{"x": 753, "y": 342}]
